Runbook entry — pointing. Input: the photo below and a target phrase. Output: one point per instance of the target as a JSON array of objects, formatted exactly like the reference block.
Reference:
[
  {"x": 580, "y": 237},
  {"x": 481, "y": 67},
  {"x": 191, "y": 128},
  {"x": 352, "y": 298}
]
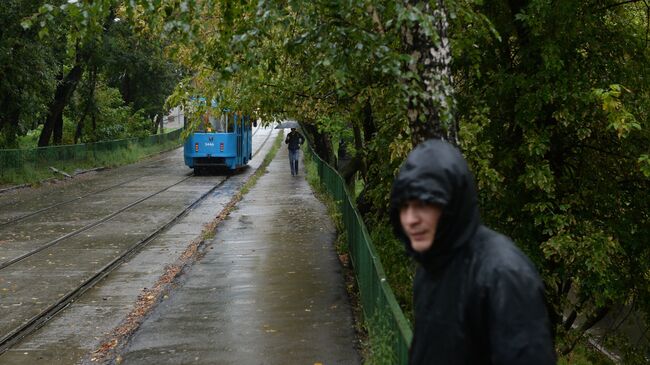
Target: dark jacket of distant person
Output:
[
  {"x": 294, "y": 140},
  {"x": 477, "y": 298}
]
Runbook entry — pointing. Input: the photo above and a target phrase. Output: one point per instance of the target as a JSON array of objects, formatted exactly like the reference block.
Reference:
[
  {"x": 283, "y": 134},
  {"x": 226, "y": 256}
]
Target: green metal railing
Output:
[
  {"x": 17, "y": 158},
  {"x": 378, "y": 301}
]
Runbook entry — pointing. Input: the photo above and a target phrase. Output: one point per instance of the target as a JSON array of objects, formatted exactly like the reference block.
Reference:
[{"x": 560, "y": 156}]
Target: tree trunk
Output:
[
  {"x": 321, "y": 144},
  {"x": 79, "y": 130},
  {"x": 57, "y": 133},
  {"x": 64, "y": 90},
  {"x": 349, "y": 167},
  {"x": 428, "y": 82},
  {"x": 369, "y": 131},
  {"x": 9, "y": 117},
  {"x": 89, "y": 106},
  {"x": 158, "y": 123},
  {"x": 125, "y": 89},
  {"x": 54, "y": 121}
]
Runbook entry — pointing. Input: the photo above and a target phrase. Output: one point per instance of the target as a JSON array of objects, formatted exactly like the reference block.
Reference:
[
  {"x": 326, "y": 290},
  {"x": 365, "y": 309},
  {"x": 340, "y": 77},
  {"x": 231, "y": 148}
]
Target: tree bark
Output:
[
  {"x": 89, "y": 106},
  {"x": 322, "y": 145},
  {"x": 427, "y": 80},
  {"x": 9, "y": 117},
  {"x": 159, "y": 122},
  {"x": 65, "y": 89},
  {"x": 54, "y": 121},
  {"x": 369, "y": 129}
]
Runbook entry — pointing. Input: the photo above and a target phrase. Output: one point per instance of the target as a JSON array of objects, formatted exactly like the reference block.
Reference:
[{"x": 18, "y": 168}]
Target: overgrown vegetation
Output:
[
  {"x": 547, "y": 100},
  {"x": 35, "y": 173},
  {"x": 71, "y": 76}
]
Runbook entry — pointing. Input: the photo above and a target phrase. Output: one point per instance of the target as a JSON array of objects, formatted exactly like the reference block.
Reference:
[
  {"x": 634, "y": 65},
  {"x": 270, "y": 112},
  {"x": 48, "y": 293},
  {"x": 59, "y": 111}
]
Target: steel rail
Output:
[
  {"x": 87, "y": 227},
  {"x": 102, "y": 220},
  {"x": 31, "y": 214},
  {"x": 13, "y": 220},
  {"x": 40, "y": 319}
]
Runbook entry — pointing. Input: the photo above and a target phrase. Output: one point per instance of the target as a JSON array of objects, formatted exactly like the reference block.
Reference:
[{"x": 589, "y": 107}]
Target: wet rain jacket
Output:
[
  {"x": 477, "y": 297},
  {"x": 294, "y": 140}
]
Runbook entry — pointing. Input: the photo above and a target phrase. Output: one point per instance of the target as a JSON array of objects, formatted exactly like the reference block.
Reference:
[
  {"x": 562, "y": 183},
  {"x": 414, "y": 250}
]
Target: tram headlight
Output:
[
  {"x": 221, "y": 147},
  {"x": 196, "y": 147}
]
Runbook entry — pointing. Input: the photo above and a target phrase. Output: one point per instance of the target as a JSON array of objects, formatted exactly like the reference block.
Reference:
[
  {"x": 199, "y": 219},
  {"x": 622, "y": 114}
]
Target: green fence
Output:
[
  {"x": 85, "y": 151},
  {"x": 378, "y": 301}
]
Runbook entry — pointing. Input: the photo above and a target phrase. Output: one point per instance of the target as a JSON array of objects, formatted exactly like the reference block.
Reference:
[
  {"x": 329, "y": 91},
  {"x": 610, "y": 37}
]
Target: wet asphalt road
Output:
[
  {"x": 269, "y": 289},
  {"x": 29, "y": 286},
  {"x": 286, "y": 308}
]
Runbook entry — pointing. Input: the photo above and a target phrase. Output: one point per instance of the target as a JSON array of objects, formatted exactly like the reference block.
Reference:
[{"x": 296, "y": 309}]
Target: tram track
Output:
[
  {"x": 89, "y": 194},
  {"x": 87, "y": 227},
  {"x": 40, "y": 319},
  {"x": 36, "y": 321},
  {"x": 45, "y": 209}
]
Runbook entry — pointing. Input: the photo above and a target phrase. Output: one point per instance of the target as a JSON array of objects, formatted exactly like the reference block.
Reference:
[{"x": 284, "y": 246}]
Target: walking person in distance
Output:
[
  {"x": 477, "y": 298},
  {"x": 294, "y": 140}
]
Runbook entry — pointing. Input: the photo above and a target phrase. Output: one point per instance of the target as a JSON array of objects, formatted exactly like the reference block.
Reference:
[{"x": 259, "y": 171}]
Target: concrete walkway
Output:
[{"x": 269, "y": 290}]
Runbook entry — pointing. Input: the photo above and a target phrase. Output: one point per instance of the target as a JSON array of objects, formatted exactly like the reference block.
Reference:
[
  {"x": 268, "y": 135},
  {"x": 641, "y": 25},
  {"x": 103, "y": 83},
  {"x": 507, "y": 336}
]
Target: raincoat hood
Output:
[
  {"x": 477, "y": 299},
  {"x": 435, "y": 172}
]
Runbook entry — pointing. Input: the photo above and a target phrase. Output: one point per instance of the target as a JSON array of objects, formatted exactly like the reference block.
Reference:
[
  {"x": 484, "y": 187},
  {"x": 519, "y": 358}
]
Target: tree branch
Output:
[{"x": 620, "y": 4}]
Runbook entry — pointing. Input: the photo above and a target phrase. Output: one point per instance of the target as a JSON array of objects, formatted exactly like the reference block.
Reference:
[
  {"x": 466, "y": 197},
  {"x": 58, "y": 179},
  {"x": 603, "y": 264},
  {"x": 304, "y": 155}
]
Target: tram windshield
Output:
[
  {"x": 223, "y": 123},
  {"x": 219, "y": 123}
]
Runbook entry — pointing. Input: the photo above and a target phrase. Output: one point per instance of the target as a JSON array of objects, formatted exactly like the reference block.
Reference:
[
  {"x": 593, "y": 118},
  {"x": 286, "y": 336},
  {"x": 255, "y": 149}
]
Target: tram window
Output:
[
  {"x": 231, "y": 124},
  {"x": 217, "y": 123},
  {"x": 226, "y": 119}
]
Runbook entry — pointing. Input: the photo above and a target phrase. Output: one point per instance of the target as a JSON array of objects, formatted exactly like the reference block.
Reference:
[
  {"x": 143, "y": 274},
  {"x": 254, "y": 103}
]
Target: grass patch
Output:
[
  {"x": 332, "y": 205},
  {"x": 584, "y": 354},
  {"x": 267, "y": 160},
  {"x": 379, "y": 350},
  {"x": 33, "y": 173},
  {"x": 399, "y": 269}
]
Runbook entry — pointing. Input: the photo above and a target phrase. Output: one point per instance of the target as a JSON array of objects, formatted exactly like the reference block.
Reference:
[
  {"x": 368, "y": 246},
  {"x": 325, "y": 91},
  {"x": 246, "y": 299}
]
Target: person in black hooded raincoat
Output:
[{"x": 477, "y": 298}]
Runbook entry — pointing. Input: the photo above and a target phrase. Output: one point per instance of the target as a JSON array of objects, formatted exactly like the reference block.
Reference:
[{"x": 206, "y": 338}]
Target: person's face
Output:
[
  {"x": 419, "y": 221},
  {"x": 293, "y": 129}
]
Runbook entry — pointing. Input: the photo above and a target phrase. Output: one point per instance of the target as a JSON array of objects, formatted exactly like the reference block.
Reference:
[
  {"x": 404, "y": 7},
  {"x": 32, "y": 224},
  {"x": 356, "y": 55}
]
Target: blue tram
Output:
[{"x": 224, "y": 140}]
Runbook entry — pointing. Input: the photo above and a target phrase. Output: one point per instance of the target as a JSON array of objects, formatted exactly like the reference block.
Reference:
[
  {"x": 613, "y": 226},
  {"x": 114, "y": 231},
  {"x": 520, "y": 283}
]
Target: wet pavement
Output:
[
  {"x": 31, "y": 285},
  {"x": 269, "y": 290},
  {"x": 315, "y": 303}
]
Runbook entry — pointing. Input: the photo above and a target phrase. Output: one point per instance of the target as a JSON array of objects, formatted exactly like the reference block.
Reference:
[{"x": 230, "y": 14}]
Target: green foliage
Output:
[
  {"x": 112, "y": 119},
  {"x": 34, "y": 172},
  {"x": 337, "y": 128},
  {"x": 137, "y": 65},
  {"x": 644, "y": 165},
  {"x": 559, "y": 158},
  {"x": 620, "y": 120},
  {"x": 112, "y": 44},
  {"x": 115, "y": 118},
  {"x": 558, "y": 145},
  {"x": 584, "y": 355},
  {"x": 400, "y": 276},
  {"x": 27, "y": 71},
  {"x": 380, "y": 337}
]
